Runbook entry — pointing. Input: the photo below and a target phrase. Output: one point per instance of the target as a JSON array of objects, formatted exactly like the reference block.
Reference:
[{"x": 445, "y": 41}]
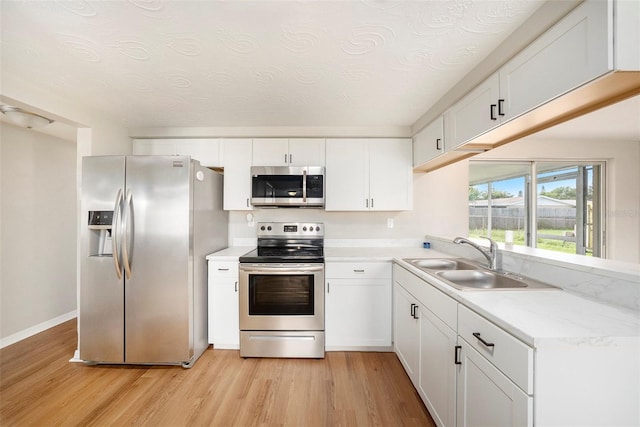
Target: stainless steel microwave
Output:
[{"x": 283, "y": 186}]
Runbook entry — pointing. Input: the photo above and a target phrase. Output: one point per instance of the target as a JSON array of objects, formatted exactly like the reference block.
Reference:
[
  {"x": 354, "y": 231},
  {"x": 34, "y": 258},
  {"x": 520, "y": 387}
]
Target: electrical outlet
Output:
[{"x": 389, "y": 222}]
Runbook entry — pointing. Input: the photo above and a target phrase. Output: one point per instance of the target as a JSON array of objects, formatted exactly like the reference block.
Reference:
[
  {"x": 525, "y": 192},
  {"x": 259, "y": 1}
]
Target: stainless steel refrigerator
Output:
[{"x": 147, "y": 223}]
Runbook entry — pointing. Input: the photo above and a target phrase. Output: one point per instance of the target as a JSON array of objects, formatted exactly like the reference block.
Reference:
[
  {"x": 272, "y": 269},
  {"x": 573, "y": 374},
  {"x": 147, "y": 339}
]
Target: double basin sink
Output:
[{"x": 466, "y": 275}]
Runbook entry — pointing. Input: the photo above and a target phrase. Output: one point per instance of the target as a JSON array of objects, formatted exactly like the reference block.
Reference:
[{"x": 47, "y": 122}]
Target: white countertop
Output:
[
  {"x": 230, "y": 254},
  {"x": 532, "y": 316},
  {"x": 536, "y": 315},
  {"x": 343, "y": 254}
]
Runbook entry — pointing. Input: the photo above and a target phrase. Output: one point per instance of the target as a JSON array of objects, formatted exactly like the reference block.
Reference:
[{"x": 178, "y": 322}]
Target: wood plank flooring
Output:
[{"x": 40, "y": 387}]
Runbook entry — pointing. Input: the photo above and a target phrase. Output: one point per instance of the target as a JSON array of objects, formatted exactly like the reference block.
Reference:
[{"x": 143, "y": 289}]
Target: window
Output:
[{"x": 563, "y": 214}]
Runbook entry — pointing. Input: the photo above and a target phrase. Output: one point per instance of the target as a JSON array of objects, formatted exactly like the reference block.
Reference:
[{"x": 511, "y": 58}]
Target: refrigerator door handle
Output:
[
  {"x": 127, "y": 235},
  {"x": 115, "y": 233}
]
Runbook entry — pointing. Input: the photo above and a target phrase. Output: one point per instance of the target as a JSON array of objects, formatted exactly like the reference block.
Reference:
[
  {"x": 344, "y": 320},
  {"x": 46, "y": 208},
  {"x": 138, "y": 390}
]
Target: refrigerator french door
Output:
[{"x": 149, "y": 223}]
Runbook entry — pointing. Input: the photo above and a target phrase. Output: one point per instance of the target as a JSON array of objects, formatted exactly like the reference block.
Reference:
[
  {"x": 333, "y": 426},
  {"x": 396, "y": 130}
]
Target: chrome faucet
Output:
[{"x": 490, "y": 254}]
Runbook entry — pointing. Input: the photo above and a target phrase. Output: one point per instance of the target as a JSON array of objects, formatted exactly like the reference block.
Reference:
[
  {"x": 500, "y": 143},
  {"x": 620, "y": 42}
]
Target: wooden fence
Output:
[{"x": 514, "y": 218}]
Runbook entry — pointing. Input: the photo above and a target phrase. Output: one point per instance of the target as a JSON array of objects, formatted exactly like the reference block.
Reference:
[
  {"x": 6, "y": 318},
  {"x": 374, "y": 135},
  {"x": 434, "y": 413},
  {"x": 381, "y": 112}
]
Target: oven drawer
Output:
[
  {"x": 282, "y": 344},
  {"x": 358, "y": 270}
]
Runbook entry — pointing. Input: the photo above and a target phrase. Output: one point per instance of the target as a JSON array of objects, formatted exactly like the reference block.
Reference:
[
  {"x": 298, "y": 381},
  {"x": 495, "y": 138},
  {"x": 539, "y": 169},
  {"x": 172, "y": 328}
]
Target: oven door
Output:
[{"x": 281, "y": 297}]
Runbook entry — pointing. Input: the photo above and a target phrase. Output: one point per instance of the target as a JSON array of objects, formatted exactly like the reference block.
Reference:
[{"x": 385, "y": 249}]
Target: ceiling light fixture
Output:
[{"x": 24, "y": 118}]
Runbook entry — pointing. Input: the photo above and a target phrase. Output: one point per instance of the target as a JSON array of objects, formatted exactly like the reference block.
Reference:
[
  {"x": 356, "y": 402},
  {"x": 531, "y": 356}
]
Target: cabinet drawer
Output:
[
  {"x": 358, "y": 270},
  {"x": 223, "y": 268},
  {"x": 510, "y": 355},
  {"x": 440, "y": 304}
]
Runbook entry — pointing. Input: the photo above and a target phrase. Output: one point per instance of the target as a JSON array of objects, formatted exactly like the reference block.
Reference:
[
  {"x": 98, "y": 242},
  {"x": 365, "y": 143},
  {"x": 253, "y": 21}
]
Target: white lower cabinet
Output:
[
  {"x": 224, "y": 328},
  {"x": 459, "y": 384},
  {"x": 406, "y": 331},
  {"x": 425, "y": 342},
  {"x": 437, "y": 380},
  {"x": 357, "y": 305},
  {"x": 486, "y": 397}
]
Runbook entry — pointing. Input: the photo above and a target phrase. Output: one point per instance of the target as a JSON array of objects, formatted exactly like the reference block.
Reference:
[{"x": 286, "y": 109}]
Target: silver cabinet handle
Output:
[
  {"x": 235, "y": 287},
  {"x": 328, "y": 287},
  {"x": 290, "y": 158},
  {"x": 358, "y": 271},
  {"x": 247, "y": 202},
  {"x": 367, "y": 202},
  {"x": 372, "y": 202},
  {"x": 115, "y": 233},
  {"x": 223, "y": 269},
  {"x": 285, "y": 157}
]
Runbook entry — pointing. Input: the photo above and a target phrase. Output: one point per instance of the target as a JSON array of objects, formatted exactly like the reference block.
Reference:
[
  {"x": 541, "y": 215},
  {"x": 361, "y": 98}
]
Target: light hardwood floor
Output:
[{"x": 39, "y": 387}]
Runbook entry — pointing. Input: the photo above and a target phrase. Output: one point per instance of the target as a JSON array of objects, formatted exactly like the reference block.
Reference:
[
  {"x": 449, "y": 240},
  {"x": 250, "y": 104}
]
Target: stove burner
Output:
[{"x": 288, "y": 243}]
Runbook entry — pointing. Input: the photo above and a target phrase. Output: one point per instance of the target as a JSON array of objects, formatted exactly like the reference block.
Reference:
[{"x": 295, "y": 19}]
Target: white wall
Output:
[
  {"x": 47, "y": 301},
  {"x": 38, "y": 229}
]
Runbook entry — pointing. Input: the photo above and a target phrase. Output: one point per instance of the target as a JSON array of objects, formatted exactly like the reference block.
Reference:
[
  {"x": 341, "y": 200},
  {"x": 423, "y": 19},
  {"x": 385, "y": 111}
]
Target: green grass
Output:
[{"x": 518, "y": 239}]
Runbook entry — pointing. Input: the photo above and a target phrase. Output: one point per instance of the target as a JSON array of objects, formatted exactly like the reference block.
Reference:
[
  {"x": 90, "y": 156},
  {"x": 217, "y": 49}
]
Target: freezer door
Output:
[
  {"x": 156, "y": 247},
  {"x": 101, "y": 313}
]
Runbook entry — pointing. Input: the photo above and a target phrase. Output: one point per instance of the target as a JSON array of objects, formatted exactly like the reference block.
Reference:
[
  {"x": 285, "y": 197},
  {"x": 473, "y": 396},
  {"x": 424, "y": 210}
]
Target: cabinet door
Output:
[
  {"x": 225, "y": 312},
  {"x": 429, "y": 142},
  {"x": 237, "y": 174},
  {"x": 271, "y": 152},
  {"x": 160, "y": 147},
  {"x": 571, "y": 53},
  {"x": 473, "y": 115},
  {"x": 358, "y": 313},
  {"x": 437, "y": 382},
  {"x": 306, "y": 152},
  {"x": 485, "y": 397},
  {"x": 406, "y": 332},
  {"x": 206, "y": 151},
  {"x": 390, "y": 174},
  {"x": 347, "y": 175}
]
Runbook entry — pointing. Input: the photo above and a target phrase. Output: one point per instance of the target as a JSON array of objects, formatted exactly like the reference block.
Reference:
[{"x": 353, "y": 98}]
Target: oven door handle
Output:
[{"x": 285, "y": 269}]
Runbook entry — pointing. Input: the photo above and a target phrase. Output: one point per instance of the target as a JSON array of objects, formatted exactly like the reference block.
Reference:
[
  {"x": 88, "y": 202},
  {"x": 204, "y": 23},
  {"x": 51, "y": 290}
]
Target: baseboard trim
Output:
[{"x": 29, "y": 332}]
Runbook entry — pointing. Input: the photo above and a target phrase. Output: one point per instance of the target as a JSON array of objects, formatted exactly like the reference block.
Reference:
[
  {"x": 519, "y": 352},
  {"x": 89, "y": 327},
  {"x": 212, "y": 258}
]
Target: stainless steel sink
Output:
[
  {"x": 466, "y": 275},
  {"x": 441, "y": 264},
  {"x": 489, "y": 280}
]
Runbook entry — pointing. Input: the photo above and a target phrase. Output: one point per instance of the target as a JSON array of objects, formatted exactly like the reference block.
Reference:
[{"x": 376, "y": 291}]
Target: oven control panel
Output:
[{"x": 290, "y": 229}]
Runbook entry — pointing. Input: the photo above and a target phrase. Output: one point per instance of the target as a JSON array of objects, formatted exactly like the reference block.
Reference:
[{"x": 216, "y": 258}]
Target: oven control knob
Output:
[
  {"x": 318, "y": 228},
  {"x": 262, "y": 228},
  {"x": 304, "y": 228},
  {"x": 269, "y": 228}
]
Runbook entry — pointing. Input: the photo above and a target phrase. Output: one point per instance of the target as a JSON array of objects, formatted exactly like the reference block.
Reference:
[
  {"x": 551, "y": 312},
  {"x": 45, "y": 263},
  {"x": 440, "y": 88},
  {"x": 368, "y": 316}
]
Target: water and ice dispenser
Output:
[{"x": 100, "y": 239}]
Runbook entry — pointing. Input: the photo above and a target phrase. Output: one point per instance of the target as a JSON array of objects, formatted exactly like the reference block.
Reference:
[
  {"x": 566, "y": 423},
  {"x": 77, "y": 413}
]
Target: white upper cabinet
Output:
[
  {"x": 474, "y": 114},
  {"x": 429, "y": 142},
  {"x": 573, "y": 52},
  {"x": 369, "y": 174},
  {"x": 288, "y": 152},
  {"x": 237, "y": 174},
  {"x": 205, "y": 150}
]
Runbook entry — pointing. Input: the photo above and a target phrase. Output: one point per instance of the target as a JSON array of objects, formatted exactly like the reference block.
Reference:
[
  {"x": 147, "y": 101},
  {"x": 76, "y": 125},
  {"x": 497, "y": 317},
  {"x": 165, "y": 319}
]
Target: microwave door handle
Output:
[{"x": 304, "y": 186}]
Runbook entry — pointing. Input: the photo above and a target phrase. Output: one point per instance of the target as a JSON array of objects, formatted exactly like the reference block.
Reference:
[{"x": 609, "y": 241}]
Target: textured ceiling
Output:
[{"x": 152, "y": 63}]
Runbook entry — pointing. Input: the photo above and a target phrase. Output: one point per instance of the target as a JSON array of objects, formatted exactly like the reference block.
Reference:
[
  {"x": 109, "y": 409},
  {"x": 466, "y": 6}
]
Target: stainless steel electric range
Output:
[{"x": 282, "y": 292}]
